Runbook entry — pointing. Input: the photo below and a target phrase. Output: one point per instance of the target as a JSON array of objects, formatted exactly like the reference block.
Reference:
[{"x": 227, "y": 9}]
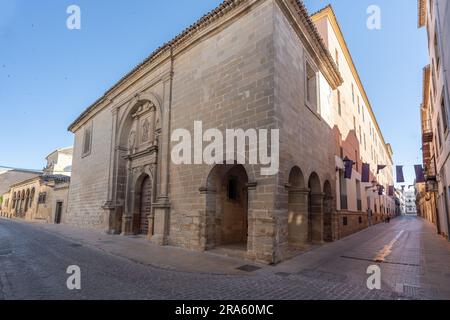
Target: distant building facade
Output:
[
  {"x": 435, "y": 16},
  {"x": 357, "y": 137},
  {"x": 43, "y": 198},
  {"x": 410, "y": 203}
]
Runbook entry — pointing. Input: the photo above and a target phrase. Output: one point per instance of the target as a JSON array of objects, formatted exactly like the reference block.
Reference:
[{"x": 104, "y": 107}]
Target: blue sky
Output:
[{"x": 49, "y": 74}]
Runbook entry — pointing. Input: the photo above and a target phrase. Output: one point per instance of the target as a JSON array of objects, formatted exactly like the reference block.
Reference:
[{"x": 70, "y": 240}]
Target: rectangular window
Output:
[
  {"x": 354, "y": 123},
  {"x": 345, "y": 221},
  {"x": 353, "y": 93},
  {"x": 358, "y": 196},
  {"x": 87, "y": 141},
  {"x": 439, "y": 134},
  {"x": 365, "y": 145},
  {"x": 339, "y": 103},
  {"x": 337, "y": 58},
  {"x": 311, "y": 87},
  {"x": 444, "y": 112},
  {"x": 436, "y": 48},
  {"x": 42, "y": 197}
]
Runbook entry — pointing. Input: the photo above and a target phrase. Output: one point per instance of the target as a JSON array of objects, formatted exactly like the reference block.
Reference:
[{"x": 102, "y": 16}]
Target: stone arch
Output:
[
  {"x": 132, "y": 106},
  {"x": 14, "y": 201},
  {"x": 137, "y": 133},
  {"x": 327, "y": 212},
  {"x": 226, "y": 211},
  {"x": 297, "y": 219},
  {"x": 315, "y": 208}
]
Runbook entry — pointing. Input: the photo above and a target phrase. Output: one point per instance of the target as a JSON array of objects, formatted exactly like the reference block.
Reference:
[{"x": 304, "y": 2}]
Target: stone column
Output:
[
  {"x": 162, "y": 205},
  {"x": 316, "y": 215},
  {"x": 112, "y": 221},
  {"x": 298, "y": 216}
]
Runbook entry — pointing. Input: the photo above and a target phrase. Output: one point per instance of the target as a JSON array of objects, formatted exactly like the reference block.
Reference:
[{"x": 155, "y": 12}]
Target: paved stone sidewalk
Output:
[
  {"x": 138, "y": 249},
  {"x": 33, "y": 260}
]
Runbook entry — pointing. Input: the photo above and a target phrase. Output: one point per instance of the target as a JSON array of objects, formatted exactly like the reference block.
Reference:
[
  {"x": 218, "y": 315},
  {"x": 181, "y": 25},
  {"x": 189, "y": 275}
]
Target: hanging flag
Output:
[
  {"x": 400, "y": 177},
  {"x": 391, "y": 191},
  {"x": 420, "y": 176},
  {"x": 348, "y": 168},
  {"x": 380, "y": 167},
  {"x": 365, "y": 174}
]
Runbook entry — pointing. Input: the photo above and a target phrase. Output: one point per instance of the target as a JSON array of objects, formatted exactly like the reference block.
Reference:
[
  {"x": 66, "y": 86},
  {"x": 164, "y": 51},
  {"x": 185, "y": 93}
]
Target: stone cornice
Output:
[{"x": 422, "y": 13}]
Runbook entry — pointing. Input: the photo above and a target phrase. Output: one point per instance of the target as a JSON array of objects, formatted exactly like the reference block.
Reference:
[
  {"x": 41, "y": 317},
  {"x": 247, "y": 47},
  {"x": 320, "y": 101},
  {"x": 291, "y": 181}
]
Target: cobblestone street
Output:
[{"x": 34, "y": 259}]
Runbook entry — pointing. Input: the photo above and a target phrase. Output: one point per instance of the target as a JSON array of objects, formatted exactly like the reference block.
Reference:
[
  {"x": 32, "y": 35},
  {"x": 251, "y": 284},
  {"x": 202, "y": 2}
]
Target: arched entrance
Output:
[
  {"x": 227, "y": 207},
  {"x": 135, "y": 164},
  {"x": 297, "y": 209},
  {"x": 144, "y": 204},
  {"x": 327, "y": 212},
  {"x": 315, "y": 208}
]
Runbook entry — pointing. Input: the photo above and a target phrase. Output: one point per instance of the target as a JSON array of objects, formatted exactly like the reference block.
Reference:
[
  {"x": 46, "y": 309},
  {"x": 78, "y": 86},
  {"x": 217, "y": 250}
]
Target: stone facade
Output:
[
  {"x": 249, "y": 64},
  {"x": 230, "y": 72}
]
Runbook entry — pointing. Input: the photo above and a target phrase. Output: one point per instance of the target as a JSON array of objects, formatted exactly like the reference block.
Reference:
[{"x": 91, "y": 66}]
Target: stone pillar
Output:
[
  {"x": 298, "y": 216},
  {"x": 127, "y": 225},
  {"x": 161, "y": 224},
  {"x": 162, "y": 205},
  {"x": 316, "y": 215},
  {"x": 252, "y": 221},
  {"x": 208, "y": 219}
]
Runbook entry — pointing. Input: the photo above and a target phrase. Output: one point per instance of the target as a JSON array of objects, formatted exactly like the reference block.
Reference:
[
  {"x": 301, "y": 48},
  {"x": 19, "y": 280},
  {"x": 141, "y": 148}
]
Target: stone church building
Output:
[{"x": 248, "y": 64}]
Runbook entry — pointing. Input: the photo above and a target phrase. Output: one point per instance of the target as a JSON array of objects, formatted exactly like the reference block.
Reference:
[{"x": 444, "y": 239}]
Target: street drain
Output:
[
  {"x": 248, "y": 268},
  {"x": 283, "y": 274},
  {"x": 76, "y": 245}
]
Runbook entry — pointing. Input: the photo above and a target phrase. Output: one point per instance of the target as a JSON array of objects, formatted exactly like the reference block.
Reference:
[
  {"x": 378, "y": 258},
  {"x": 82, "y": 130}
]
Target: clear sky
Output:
[{"x": 49, "y": 74}]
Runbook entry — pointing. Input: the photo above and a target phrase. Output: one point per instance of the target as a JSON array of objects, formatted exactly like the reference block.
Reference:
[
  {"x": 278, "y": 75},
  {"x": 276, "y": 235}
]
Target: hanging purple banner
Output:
[
  {"x": 365, "y": 174},
  {"x": 400, "y": 177},
  {"x": 420, "y": 176},
  {"x": 348, "y": 168}
]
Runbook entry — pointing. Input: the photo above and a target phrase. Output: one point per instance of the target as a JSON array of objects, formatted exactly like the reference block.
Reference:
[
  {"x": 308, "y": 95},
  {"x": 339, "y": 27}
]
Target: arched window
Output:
[
  {"x": 33, "y": 191},
  {"x": 14, "y": 199},
  {"x": 27, "y": 200}
]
